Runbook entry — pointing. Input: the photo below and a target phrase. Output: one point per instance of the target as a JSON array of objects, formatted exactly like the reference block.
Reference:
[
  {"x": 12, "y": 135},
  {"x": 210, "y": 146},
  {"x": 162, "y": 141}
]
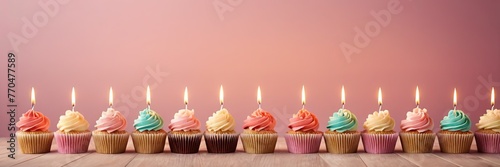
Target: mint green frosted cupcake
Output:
[
  {"x": 149, "y": 137},
  {"x": 455, "y": 135},
  {"x": 342, "y": 136}
]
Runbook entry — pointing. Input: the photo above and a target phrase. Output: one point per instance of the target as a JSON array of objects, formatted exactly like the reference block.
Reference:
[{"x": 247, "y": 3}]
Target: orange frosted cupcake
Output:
[
  {"x": 303, "y": 136},
  {"x": 259, "y": 136},
  {"x": 34, "y": 136}
]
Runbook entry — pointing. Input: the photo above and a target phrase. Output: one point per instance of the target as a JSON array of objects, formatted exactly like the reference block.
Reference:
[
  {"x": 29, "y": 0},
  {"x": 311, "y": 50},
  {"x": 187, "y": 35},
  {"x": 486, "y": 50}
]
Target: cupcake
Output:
[
  {"x": 34, "y": 136},
  {"x": 341, "y": 135},
  {"x": 185, "y": 135},
  {"x": 455, "y": 136},
  {"x": 110, "y": 136},
  {"x": 488, "y": 133},
  {"x": 220, "y": 136},
  {"x": 379, "y": 136},
  {"x": 73, "y": 135},
  {"x": 303, "y": 136},
  {"x": 416, "y": 132},
  {"x": 259, "y": 136},
  {"x": 149, "y": 137}
]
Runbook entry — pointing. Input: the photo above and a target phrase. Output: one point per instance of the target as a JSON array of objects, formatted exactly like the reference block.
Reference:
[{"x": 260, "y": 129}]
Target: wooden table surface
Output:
[{"x": 280, "y": 158}]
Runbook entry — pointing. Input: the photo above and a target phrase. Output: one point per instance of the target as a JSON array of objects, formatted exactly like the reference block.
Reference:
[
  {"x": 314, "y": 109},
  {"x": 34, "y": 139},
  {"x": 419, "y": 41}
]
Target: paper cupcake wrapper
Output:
[
  {"x": 379, "y": 143},
  {"x": 221, "y": 143},
  {"x": 342, "y": 143},
  {"x": 34, "y": 143},
  {"x": 149, "y": 143},
  {"x": 417, "y": 142},
  {"x": 455, "y": 143},
  {"x": 72, "y": 143},
  {"x": 184, "y": 143},
  {"x": 303, "y": 143},
  {"x": 487, "y": 143},
  {"x": 110, "y": 143},
  {"x": 259, "y": 143}
]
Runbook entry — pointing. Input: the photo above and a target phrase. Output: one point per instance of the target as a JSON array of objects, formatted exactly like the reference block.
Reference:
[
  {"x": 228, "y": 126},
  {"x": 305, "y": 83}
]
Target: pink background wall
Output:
[{"x": 279, "y": 45}]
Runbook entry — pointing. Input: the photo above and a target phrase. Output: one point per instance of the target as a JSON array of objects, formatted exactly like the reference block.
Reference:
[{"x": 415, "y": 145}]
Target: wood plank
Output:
[
  {"x": 342, "y": 159},
  {"x": 96, "y": 159},
  {"x": 495, "y": 158},
  {"x": 287, "y": 159},
  {"x": 6, "y": 161},
  {"x": 384, "y": 160},
  {"x": 465, "y": 159},
  {"x": 427, "y": 159},
  {"x": 52, "y": 159}
]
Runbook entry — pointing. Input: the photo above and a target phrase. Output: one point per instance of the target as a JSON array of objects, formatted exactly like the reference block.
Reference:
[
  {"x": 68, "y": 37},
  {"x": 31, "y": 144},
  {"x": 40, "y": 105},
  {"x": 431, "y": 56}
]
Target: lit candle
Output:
[
  {"x": 148, "y": 98},
  {"x": 221, "y": 97},
  {"x": 342, "y": 98},
  {"x": 186, "y": 97},
  {"x": 73, "y": 99},
  {"x": 492, "y": 98},
  {"x": 417, "y": 97},
  {"x": 259, "y": 98},
  {"x": 110, "y": 97},
  {"x": 303, "y": 97},
  {"x": 379, "y": 99},
  {"x": 454, "y": 100},
  {"x": 33, "y": 98}
]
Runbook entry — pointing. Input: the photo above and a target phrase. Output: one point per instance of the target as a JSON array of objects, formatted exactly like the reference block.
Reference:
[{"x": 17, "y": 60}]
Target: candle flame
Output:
[
  {"x": 342, "y": 99},
  {"x": 417, "y": 96},
  {"x": 492, "y": 96},
  {"x": 455, "y": 97},
  {"x": 186, "y": 96},
  {"x": 148, "y": 96},
  {"x": 110, "y": 96},
  {"x": 33, "y": 101},
  {"x": 259, "y": 96},
  {"x": 221, "y": 95},
  {"x": 73, "y": 97},
  {"x": 379, "y": 96},
  {"x": 303, "y": 95}
]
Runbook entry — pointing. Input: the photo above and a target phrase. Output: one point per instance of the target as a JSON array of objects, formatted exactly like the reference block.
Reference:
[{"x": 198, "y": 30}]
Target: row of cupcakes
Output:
[{"x": 258, "y": 136}]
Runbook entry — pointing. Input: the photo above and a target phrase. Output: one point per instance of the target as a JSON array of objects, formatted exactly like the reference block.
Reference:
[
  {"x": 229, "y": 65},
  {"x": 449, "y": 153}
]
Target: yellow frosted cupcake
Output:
[
  {"x": 379, "y": 136},
  {"x": 220, "y": 136},
  {"x": 488, "y": 133},
  {"x": 73, "y": 135}
]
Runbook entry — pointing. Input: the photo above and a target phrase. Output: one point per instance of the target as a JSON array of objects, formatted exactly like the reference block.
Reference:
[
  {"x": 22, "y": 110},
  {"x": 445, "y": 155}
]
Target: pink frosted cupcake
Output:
[
  {"x": 185, "y": 135},
  {"x": 488, "y": 133},
  {"x": 259, "y": 136},
  {"x": 110, "y": 136},
  {"x": 73, "y": 135},
  {"x": 34, "y": 136},
  {"x": 379, "y": 136},
  {"x": 303, "y": 136},
  {"x": 416, "y": 132}
]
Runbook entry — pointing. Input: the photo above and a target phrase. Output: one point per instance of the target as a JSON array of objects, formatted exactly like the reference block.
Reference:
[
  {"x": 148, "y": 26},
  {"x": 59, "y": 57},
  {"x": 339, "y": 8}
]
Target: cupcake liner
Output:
[
  {"x": 342, "y": 143},
  {"x": 110, "y": 143},
  {"x": 149, "y": 143},
  {"x": 259, "y": 143},
  {"x": 184, "y": 143},
  {"x": 379, "y": 143},
  {"x": 34, "y": 143},
  {"x": 488, "y": 142},
  {"x": 72, "y": 143},
  {"x": 417, "y": 142},
  {"x": 303, "y": 143},
  {"x": 221, "y": 143},
  {"x": 455, "y": 142}
]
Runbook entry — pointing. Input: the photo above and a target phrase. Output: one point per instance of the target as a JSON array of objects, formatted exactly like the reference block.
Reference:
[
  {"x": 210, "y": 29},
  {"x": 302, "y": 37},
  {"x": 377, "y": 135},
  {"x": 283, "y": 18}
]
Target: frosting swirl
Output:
[
  {"x": 221, "y": 121},
  {"x": 379, "y": 121},
  {"x": 418, "y": 120},
  {"x": 32, "y": 121},
  {"x": 148, "y": 120},
  {"x": 72, "y": 121},
  {"x": 456, "y": 121},
  {"x": 490, "y": 120},
  {"x": 342, "y": 120},
  {"x": 111, "y": 121},
  {"x": 184, "y": 120},
  {"x": 260, "y": 120},
  {"x": 304, "y": 121}
]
